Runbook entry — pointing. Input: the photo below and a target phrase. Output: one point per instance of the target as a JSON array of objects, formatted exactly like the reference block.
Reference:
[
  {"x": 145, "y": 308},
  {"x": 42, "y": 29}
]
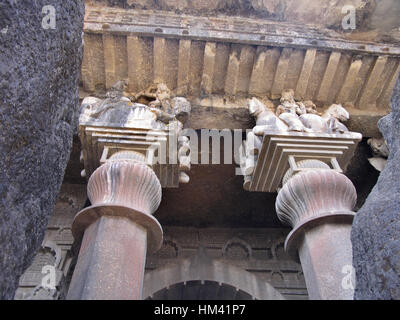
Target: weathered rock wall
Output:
[
  {"x": 39, "y": 72},
  {"x": 379, "y": 15},
  {"x": 376, "y": 229}
]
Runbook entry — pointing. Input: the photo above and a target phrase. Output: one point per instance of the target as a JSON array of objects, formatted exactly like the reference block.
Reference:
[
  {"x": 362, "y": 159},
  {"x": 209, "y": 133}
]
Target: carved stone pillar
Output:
[
  {"x": 130, "y": 151},
  {"x": 317, "y": 203},
  {"x": 117, "y": 230},
  {"x": 302, "y": 154}
]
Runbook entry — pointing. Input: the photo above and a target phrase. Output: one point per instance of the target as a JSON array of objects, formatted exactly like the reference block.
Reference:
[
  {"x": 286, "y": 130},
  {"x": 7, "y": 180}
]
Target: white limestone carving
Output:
[
  {"x": 303, "y": 117},
  {"x": 334, "y": 117},
  {"x": 314, "y": 122},
  {"x": 379, "y": 147},
  {"x": 293, "y": 122},
  {"x": 266, "y": 120},
  {"x": 119, "y": 123},
  {"x": 380, "y": 152},
  {"x": 294, "y": 129}
]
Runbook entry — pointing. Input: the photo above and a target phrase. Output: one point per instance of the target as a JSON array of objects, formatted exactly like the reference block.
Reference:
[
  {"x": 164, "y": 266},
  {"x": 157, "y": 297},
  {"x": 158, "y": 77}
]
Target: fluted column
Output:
[
  {"x": 318, "y": 205},
  {"x": 118, "y": 230}
]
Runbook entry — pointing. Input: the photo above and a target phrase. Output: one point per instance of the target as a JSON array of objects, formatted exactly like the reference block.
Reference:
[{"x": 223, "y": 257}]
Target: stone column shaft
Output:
[
  {"x": 117, "y": 230},
  {"x": 317, "y": 204},
  {"x": 324, "y": 253},
  {"x": 111, "y": 261}
]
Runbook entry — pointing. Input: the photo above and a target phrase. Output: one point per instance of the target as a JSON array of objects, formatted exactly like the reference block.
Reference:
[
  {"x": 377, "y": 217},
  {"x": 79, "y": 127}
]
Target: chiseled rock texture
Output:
[
  {"x": 376, "y": 229},
  {"x": 379, "y": 15},
  {"x": 39, "y": 75}
]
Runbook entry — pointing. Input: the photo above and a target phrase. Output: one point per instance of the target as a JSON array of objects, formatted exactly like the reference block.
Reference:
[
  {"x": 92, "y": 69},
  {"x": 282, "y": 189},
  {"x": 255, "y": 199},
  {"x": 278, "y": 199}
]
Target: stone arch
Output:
[{"x": 190, "y": 270}]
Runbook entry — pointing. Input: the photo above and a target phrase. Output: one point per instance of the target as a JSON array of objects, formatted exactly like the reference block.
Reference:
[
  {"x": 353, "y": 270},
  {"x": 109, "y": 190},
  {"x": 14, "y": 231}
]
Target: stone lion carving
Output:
[
  {"x": 289, "y": 116},
  {"x": 293, "y": 122}
]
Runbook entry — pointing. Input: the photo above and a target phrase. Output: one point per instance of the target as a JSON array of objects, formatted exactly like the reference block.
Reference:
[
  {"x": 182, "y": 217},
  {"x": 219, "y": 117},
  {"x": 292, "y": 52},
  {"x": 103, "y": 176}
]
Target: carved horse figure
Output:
[{"x": 266, "y": 120}]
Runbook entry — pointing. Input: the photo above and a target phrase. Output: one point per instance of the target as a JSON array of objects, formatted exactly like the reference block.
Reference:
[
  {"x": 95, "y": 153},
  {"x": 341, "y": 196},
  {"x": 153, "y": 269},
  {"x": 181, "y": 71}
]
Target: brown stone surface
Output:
[
  {"x": 111, "y": 261},
  {"x": 225, "y": 56},
  {"x": 324, "y": 253},
  {"x": 375, "y": 19},
  {"x": 216, "y": 251}
]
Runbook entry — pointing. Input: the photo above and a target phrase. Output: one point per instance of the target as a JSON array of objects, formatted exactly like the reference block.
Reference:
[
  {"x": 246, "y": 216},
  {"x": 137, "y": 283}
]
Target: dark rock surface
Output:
[
  {"x": 376, "y": 229},
  {"x": 39, "y": 72}
]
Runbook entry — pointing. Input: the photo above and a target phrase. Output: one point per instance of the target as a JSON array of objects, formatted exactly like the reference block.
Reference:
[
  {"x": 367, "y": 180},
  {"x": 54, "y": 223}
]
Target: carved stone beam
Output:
[
  {"x": 118, "y": 230},
  {"x": 318, "y": 204}
]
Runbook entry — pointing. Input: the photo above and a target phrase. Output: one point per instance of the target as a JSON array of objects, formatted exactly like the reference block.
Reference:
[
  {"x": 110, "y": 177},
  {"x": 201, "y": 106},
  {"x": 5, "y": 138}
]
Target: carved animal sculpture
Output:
[
  {"x": 314, "y": 122},
  {"x": 381, "y": 152},
  {"x": 293, "y": 122},
  {"x": 266, "y": 120},
  {"x": 334, "y": 115},
  {"x": 310, "y": 107},
  {"x": 379, "y": 147},
  {"x": 329, "y": 122}
]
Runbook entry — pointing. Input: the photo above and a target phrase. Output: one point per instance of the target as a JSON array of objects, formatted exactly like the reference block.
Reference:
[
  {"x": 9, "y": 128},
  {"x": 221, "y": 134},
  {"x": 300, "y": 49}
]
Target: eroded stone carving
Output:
[
  {"x": 380, "y": 152},
  {"x": 154, "y": 130},
  {"x": 130, "y": 151},
  {"x": 299, "y": 116},
  {"x": 292, "y": 132},
  {"x": 266, "y": 120},
  {"x": 303, "y": 160}
]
